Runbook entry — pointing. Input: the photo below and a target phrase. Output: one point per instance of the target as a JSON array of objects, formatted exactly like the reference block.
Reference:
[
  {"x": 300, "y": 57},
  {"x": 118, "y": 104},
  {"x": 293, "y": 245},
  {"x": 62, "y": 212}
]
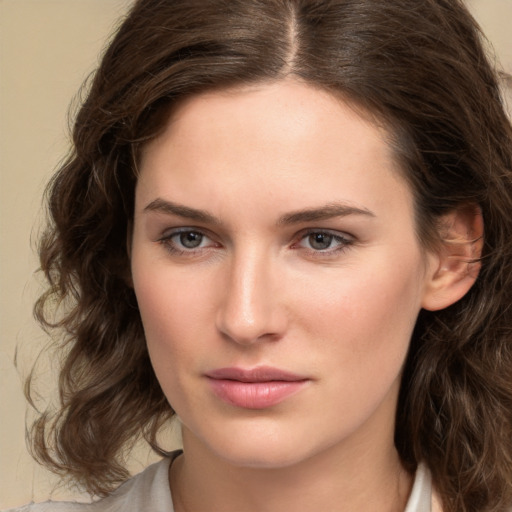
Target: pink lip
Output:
[{"x": 258, "y": 388}]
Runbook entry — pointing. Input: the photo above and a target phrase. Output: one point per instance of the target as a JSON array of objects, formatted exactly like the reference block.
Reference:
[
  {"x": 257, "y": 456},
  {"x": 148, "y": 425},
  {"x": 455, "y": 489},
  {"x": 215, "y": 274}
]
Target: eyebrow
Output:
[
  {"x": 328, "y": 211},
  {"x": 170, "y": 208}
]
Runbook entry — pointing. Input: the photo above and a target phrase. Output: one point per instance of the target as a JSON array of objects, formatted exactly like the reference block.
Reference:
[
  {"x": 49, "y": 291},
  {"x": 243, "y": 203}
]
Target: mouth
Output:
[{"x": 257, "y": 388}]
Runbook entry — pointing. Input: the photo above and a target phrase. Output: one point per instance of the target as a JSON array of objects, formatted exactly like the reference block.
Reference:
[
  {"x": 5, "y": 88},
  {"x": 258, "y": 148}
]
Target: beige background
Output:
[{"x": 47, "y": 48}]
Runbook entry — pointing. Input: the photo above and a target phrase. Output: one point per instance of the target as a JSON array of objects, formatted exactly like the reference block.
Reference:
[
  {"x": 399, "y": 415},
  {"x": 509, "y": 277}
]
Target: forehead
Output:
[
  {"x": 285, "y": 139},
  {"x": 271, "y": 111}
]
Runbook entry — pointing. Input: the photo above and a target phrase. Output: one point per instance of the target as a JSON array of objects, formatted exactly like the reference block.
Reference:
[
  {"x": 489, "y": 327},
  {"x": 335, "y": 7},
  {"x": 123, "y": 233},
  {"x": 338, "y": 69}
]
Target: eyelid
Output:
[
  {"x": 345, "y": 240},
  {"x": 166, "y": 239},
  {"x": 169, "y": 232}
]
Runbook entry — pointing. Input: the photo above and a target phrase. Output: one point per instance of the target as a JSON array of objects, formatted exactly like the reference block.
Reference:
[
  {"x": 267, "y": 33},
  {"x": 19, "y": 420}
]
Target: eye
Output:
[
  {"x": 186, "y": 240},
  {"x": 324, "y": 241},
  {"x": 189, "y": 239},
  {"x": 320, "y": 241}
]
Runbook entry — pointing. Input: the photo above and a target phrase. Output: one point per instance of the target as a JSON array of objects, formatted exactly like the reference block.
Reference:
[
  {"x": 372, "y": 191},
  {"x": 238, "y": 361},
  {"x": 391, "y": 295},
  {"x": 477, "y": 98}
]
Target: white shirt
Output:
[{"x": 149, "y": 491}]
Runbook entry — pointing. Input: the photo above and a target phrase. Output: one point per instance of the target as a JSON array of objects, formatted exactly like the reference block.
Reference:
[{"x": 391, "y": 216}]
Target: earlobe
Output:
[{"x": 454, "y": 267}]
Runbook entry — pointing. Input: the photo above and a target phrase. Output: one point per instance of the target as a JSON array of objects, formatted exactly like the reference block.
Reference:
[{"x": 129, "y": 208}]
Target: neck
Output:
[{"x": 338, "y": 479}]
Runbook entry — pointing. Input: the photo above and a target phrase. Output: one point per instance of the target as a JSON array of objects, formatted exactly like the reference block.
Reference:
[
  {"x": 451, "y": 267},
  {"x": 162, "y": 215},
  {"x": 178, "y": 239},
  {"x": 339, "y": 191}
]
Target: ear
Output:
[{"x": 454, "y": 266}]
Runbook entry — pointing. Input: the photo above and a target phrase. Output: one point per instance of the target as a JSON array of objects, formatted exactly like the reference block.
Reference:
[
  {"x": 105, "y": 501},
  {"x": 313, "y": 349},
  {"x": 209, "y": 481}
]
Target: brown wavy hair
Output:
[{"x": 419, "y": 67}]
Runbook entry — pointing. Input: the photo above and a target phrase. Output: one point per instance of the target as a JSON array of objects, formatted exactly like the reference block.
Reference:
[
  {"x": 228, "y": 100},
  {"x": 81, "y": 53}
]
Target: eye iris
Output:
[
  {"x": 191, "y": 239},
  {"x": 320, "y": 241}
]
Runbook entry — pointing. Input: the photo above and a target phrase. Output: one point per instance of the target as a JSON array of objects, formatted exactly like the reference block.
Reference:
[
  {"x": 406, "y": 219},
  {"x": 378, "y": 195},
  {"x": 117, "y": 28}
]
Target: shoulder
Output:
[
  {"x": 51, "y": 506},
  {"x": 148, "y": 490}
]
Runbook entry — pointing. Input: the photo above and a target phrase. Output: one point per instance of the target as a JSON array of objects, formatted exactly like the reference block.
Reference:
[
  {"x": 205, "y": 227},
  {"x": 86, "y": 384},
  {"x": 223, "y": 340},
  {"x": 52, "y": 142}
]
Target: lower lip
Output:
[{"x": 255, "y": 395}]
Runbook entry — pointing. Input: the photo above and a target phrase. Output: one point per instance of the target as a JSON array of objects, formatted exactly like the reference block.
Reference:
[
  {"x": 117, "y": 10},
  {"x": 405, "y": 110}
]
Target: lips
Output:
[{"x": 257, "y": 388}]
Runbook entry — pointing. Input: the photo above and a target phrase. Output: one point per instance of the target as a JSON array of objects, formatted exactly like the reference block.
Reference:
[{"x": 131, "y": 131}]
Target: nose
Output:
[{"x": 250, "y": 309}]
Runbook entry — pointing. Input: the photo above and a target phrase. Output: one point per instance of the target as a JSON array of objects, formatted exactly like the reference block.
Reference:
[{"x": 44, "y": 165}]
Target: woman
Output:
[{"x": 287, "y": 223}]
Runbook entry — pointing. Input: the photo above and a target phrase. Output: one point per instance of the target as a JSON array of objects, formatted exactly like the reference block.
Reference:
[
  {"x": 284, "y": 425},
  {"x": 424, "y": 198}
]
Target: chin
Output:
[{"x": 268, "y": 450}]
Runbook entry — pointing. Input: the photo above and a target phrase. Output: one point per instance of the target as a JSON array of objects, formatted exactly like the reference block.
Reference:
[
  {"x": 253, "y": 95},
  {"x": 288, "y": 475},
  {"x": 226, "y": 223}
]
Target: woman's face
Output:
[{"x": 277, "y": 272}]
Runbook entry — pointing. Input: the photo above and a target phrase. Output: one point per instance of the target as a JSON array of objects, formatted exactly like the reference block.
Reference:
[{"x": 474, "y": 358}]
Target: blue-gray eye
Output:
[
  {"x": 320, "y": 241},
  {"x": 191, "y": 239}
]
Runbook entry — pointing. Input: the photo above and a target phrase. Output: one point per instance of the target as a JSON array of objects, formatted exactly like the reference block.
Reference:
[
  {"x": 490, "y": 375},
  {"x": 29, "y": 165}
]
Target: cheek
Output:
[
  {"x": 364, "y": 315},
  {"x": 360, "y": 332},
  {"x": 169, "y": 306},
  {"x": 177, "y": 308},
  {"x": 170, "y": 318},
  {"x": 170, "y": 312}
]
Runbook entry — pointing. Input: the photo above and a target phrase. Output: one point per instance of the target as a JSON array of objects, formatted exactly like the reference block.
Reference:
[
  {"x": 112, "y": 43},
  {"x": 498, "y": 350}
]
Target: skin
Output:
[{"x": 261, "y": 290}]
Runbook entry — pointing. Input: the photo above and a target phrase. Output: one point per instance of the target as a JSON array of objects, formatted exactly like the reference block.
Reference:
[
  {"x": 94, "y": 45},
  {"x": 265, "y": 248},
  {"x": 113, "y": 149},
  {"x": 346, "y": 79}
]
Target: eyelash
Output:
[
  {"x": 170, "y": 245},
  {"x": 344, "y": 242}
]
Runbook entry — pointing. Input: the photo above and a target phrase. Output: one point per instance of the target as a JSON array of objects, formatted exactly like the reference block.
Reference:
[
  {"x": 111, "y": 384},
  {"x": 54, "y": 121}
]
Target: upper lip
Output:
[{"x": 258, "y": 374}]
